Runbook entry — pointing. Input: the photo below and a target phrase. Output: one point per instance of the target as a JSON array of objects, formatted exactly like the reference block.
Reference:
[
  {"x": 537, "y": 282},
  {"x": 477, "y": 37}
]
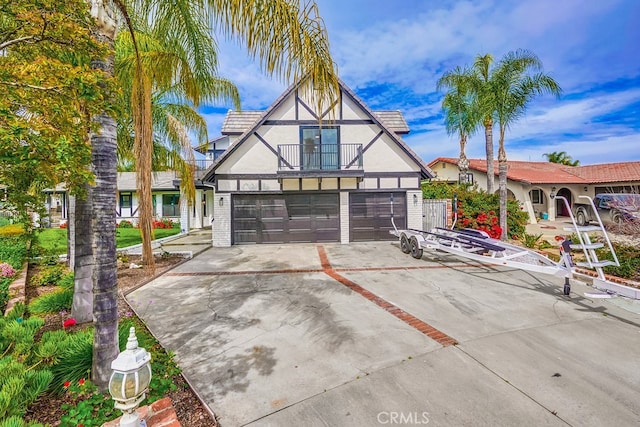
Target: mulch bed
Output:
[{"x": 47, "y": 410}]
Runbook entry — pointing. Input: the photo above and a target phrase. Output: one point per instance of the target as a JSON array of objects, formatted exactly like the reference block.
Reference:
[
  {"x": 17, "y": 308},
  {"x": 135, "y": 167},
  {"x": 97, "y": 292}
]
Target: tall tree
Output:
[
  {"x": 178, "y": 84},
  {"x": 461, "y": 111},
  {"x": 562, "y": 158},
  {"x": 516, "y": 81},
  {"x": 485, "y": 95},
  {"x": 48, "y": 97},
  {"x": 289, "y": 41}
]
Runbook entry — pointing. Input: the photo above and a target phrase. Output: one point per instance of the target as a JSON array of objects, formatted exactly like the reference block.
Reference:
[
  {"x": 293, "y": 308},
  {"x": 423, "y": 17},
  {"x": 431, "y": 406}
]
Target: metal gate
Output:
[{"x": 434, "y": 213}]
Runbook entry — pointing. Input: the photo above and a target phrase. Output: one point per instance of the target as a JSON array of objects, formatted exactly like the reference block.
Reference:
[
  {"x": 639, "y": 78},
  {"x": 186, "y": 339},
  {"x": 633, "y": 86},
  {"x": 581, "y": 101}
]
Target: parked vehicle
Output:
[{"x": 613, "y": 208}]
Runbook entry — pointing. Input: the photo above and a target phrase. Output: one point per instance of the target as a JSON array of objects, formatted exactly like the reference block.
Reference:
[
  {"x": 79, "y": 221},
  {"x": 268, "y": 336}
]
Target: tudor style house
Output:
[{"x": 291, "y": 176}]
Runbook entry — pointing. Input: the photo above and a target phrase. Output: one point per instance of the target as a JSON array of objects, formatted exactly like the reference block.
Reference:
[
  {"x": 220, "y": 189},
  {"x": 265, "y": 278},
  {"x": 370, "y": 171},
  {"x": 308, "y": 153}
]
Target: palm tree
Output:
[
  {"x": 461, "y": 111},
  {"x": 290, "y": 42},
  {"x": 515, "y": 81},
  {"x": 178, "y": 85},
  {"x": 481, "y": 85},
  {"x": 562, "y": 158}
]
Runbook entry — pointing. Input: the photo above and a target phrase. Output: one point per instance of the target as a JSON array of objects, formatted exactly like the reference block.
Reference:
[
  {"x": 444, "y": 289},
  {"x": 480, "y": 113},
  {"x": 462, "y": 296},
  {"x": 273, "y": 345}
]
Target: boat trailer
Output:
[{"x": 477, "y": 245}]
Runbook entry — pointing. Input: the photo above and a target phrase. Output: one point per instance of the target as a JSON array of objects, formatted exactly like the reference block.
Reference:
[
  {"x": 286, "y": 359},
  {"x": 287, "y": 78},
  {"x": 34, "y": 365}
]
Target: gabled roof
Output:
[
  {"x": 236, "y": 122},
  {"x": 159, "y": 181},
  {"x": 394, "y": 120},
  {"x": 260, "y": 117},
  {"x": 555, "y": 173},
  {"x": 204, "y": 147}
]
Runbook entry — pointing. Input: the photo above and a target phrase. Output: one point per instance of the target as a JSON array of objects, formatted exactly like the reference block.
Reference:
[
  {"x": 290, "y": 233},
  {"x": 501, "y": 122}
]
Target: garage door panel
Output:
[
  {"x": 286, "y": 218},
  {"x": 370, "y": 215}
]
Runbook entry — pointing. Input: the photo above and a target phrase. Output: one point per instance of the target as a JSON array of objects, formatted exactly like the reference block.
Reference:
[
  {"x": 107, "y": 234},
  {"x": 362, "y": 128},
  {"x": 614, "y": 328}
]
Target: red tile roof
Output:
[{"x": 554, "y": 173}]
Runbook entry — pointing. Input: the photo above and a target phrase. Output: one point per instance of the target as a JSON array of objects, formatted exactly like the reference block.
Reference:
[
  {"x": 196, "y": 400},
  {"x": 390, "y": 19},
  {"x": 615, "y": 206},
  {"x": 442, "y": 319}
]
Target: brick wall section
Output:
[
  {"x": 344, "y": 217},
  {"x": 414, "y": 210},
  {"x": 449, "y": 213},
  {"x": 159, "y": 414},
  {"x": 222, "y": 220}
]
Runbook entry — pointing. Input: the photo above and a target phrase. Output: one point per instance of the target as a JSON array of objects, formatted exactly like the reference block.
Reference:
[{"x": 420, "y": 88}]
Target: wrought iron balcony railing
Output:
[{"x": 321, "y": 157}]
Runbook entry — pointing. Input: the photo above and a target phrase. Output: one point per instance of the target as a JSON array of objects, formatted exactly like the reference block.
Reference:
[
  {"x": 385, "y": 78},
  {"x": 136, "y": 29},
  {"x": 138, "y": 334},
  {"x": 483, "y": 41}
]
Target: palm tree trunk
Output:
[
  {"x": 502, "y": 185},
  {"x": 103, "y": 156},
  {"x": 105, "y": 299},
  {"x": 463, "y": 162},
  {"x": 71, "y": 232},
  {"x": 82, "y": 243},
  {"x": 488, "y": 136}
]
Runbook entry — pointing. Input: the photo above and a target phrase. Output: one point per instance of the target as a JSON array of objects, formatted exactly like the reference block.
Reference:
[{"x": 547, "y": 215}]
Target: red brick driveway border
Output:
[{"x": 433, "y": 333}]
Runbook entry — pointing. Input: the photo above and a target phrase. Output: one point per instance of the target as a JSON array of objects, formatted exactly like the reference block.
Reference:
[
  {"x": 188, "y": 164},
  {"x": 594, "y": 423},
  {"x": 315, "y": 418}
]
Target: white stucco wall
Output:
[{"x": 221, "y": 228}]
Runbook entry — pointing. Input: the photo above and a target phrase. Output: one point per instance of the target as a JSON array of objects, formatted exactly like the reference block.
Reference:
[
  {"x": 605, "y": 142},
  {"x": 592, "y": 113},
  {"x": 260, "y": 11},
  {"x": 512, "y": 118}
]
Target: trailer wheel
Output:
[
  {"x": 581, "y": 218},
  {"x": 416, "y": 250},
  {"x": 404, "y": 245}
]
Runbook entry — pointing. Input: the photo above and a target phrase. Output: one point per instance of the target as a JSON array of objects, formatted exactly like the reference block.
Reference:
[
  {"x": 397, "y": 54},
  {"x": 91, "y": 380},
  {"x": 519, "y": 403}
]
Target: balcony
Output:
[{"x": 329, "y": 160}]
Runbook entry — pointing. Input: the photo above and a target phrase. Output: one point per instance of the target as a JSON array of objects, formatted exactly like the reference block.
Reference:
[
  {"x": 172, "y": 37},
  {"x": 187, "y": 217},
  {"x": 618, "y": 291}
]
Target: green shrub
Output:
[
  {"x": 52, "y": 302},
  {"x": 4, "y": 291},
  {"x": 4, "y": 221},
  {"x": 49, "y": 275},
  {"x": 90, "y": 407},
  {"x": 629, "y": 258},
  {"x": 23, "y": 373},
  {"x": 125, "y": 224},
  {"x": 530, "y": 240},
  {"x": 74, "y": 361},
  {"x": 12, "y": 230},
  {"x": 477, "y": 209},
  {"x": 13, "y": 250}
]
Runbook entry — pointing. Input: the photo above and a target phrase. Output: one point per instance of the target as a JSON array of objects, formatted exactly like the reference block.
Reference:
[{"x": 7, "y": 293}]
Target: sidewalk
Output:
[{"x": 192, "y": 244}]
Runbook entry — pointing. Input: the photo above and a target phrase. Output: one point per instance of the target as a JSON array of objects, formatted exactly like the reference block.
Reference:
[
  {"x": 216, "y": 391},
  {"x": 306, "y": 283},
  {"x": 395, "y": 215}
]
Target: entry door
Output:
[{"x": 370, "y": 215}]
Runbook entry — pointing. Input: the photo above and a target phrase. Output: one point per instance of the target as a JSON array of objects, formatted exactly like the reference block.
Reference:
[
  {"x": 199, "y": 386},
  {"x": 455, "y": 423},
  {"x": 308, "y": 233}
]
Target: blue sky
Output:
[{"x": 391, "y": 53}]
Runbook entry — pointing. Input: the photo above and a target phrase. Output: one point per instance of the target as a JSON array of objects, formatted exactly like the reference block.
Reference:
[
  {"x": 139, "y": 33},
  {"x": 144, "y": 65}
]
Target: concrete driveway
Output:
[{"x": 361, "y": 335}]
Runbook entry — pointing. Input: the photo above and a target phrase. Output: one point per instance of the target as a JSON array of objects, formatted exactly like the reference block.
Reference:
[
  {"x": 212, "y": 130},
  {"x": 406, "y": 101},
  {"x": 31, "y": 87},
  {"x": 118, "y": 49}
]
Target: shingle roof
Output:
[
  {"x": 237, "y": 122},
  {"x": 554, "y": 173},
  {"x": 394, "y": 120},
  {"x": 159, "y": 181}
]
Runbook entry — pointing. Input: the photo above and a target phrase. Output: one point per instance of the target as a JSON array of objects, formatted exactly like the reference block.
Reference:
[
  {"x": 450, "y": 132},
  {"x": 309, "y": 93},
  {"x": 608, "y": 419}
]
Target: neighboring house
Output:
[
  {"x": 532, "y": 183},
  {"x": 168, "y": 201},
  {"x": 291, "y": 176},
  {"x": 166, "y": 198}
]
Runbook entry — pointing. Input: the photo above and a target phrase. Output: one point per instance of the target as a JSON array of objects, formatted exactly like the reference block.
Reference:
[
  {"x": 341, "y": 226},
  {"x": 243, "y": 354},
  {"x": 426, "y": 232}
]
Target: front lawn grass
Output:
[{"x": 54, "y": 240}]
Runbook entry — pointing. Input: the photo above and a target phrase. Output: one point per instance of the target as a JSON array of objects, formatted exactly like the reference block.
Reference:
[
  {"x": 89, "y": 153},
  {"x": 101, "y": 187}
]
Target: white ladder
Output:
[{"x": 588, "y": 247}]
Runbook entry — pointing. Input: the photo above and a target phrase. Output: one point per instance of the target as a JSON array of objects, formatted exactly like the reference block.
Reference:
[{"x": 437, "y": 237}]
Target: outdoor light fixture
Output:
[
  {"x": 586, "y": 189},
  {"x": 415, "y": 200},
  {"x": 221, "y": 201},
  {"x": 130, "y": 380}
]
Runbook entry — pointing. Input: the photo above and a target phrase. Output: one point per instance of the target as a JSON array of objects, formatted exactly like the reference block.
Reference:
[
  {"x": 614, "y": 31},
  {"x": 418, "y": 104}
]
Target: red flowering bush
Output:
[
  {"x": 69, "y": 322},
  {"x": 484, "y": 221},
  {"x": 63, "y": 225},
  {"x": 164, "y": 223},
  {"x": 477, "y": 209}
]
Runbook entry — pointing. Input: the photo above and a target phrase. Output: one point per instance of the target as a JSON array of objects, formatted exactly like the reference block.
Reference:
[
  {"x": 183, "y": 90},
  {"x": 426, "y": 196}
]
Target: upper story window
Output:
[{"x": 320, "y": 148}]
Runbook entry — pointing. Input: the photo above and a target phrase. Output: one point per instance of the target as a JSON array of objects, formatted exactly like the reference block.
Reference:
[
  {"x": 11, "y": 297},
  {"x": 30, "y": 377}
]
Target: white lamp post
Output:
[{"x": 130, "y": 379}]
